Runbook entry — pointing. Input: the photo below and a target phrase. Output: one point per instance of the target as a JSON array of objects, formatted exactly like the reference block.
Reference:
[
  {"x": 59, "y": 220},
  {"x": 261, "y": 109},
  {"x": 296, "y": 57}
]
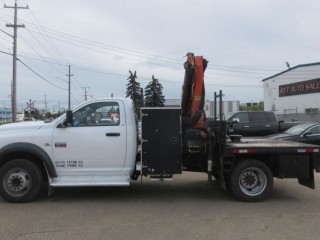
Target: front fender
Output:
[{"x": 30, "y": 148}]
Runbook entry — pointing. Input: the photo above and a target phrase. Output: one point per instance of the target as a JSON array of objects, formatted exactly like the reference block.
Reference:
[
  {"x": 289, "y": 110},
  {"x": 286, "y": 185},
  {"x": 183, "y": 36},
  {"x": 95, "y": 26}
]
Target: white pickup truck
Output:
[
  {"x": 100, "y": 149},
  {"x": 97, "y": 145}
]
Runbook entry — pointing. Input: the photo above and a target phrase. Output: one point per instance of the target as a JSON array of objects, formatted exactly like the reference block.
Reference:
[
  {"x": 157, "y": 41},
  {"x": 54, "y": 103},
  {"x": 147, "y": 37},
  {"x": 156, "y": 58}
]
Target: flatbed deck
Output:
[{"x": 254, "y": 142}]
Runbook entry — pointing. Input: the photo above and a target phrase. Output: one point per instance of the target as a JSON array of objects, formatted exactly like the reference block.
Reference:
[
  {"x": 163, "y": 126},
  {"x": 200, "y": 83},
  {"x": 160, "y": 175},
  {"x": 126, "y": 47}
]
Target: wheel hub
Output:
[
  {"x": 249, "y": 179},
  {"x": 18, "y": 181},
  {"x": 252, "y": 181}
]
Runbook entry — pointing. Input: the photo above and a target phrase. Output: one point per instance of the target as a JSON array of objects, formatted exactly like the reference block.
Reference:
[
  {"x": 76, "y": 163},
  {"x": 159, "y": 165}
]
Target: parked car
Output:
[{"x": 304, "y": 133}]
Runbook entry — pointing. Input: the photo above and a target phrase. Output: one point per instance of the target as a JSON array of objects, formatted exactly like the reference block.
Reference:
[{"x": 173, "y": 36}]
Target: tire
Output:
[
  {"x": 251, "y": 181},
  {"x": 20, "y": 181}
]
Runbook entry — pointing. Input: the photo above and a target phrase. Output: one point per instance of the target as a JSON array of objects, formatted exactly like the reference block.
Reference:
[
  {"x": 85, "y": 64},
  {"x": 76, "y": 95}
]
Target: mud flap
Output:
[{"x": 309, "y": 182}]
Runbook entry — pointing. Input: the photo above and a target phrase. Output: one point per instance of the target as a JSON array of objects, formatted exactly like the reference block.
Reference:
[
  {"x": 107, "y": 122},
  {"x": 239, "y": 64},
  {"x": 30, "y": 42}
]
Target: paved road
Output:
[{"x": 181, "y": 209}]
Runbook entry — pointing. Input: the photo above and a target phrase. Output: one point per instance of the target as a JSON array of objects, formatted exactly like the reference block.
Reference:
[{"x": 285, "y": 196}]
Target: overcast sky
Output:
[{"x": 244, "y": 41}]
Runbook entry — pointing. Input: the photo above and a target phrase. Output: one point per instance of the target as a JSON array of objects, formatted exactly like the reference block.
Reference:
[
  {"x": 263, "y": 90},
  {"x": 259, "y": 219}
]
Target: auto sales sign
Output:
[{"x": 305, "y": 87}]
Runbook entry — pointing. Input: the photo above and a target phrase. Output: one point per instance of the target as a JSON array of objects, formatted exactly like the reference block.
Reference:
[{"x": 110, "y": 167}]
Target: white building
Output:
[
  {"x": 5, "y": 115},
  {"x": 294, "y": 91},
  {"x": 227, "y": 106},
  {"x": 172, "y": 103}
]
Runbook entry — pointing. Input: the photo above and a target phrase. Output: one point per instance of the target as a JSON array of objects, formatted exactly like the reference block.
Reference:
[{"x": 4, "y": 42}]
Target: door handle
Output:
[
  {"x": 246, "y": 126},
  {"x": 112, "y": 134}
]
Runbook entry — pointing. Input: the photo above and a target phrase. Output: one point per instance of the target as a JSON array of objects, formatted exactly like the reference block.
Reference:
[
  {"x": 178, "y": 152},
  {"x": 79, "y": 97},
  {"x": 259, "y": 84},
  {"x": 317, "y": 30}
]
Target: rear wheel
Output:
[
  {"x": 251, "y": 181},
  {"x": 20, "y": 181}
]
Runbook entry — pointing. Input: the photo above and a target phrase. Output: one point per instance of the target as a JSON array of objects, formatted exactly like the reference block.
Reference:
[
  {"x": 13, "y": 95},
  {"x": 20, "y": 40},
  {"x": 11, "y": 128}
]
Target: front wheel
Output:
[
  {"x": 251, "y": 181},
  {"x": 20, "y": 181}
]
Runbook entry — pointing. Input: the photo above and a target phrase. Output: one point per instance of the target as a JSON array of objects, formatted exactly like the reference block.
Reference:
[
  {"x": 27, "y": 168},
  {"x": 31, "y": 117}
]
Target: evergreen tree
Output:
[
  {"x": 153, "y": 94},
  {"x": 134, "y": 91},
  {"x": 257, "y": 107}
]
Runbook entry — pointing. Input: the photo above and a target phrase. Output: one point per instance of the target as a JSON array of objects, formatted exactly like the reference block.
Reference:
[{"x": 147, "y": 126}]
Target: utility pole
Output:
[
  {"x": 14, "y": 71},
  {"x": 69, "y": 88},
  {"x": 45, "y": 104},
  {"x": 85, "y": 93}
]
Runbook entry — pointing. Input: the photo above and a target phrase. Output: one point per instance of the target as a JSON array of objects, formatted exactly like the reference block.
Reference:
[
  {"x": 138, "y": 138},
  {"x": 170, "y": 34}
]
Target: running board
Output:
[{"x": 90, "y": 181}]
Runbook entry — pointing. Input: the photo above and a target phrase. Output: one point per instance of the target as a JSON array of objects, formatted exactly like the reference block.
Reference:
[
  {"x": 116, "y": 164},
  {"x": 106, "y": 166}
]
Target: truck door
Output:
[
  {"x": 241, "y": 124},
  {"x": 312, "y": 136},
  {"x": 259, "y": 124},
  {"x": 96, "y": 141}
]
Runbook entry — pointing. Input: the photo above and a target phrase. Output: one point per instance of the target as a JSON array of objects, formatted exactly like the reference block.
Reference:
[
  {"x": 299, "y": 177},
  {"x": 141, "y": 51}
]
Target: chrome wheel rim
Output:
[
  {"x": 253, "y": 181},
  {"x": 17, "y": 182}
]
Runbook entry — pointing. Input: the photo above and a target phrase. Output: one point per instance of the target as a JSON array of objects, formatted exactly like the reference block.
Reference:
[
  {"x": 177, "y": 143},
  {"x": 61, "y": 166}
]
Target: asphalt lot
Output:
[{"x": 181, "y": 209}]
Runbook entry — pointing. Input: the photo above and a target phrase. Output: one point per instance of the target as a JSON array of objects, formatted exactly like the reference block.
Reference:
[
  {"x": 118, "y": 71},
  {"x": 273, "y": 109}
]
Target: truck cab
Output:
[
  {"x": 98, "y": 148},
  {"x": 101, "y": 139},
  {"x": 258, "y": 123}
]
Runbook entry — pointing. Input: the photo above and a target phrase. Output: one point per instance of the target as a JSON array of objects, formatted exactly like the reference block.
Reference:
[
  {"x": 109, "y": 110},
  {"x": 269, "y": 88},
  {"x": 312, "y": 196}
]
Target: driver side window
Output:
[
  {"x": 242, "y": 117},
  {"x": 97, "y": 114},
  {"x": 315, "y": 130}
]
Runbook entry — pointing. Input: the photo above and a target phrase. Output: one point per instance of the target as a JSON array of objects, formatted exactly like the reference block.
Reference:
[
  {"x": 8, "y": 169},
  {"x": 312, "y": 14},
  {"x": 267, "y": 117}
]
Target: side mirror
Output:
[
  {"x": 62, "y": 125},
  {"x": 68, "y": 121},
  {"x": 235, "y": 120},
  {"x": 306, "y": 134},
  {"x": 69, "y": 118}
]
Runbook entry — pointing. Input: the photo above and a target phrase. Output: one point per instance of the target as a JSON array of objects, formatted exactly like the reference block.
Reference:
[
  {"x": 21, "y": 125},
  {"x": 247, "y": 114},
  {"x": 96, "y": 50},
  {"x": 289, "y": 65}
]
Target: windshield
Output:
[
  {"x": 298, "y": 129},
  {"x": 224, "y": 116},
  {"x": 228, "y": 115}
]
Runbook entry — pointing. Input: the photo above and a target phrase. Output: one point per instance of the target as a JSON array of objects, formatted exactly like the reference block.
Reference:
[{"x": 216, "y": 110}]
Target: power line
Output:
[
  {"x": 163, "y": 80},
  {"x": 48, "y": 40},
  {"x": 221, "y": 74},
  {"x": 136, "y": 53},
  {"x": 3, "y": 19},
  {"x": 167, "y": 60},
  {"x": 40, "y": 75},
  {"x": 98, "y": 50},
  {"x": 72, "y": 83},
  {"x": 40, "y": 45},
  {"x": 75, "y": 99},
  {"x": 7, "y": 53},
  {"x": 166, "y": 63},
  {"x": 240, "y": 71},
  {"x": 6, "y": 33},
  {"x": 102, "y": 45},
  {"x": 291, "y": 76},
  {"x": 43, "y": 58},
  {"x": 132, "y": 52},
  {"x": 220, "y": 67},
  {"x": 237, "y": 67},
  {"x": 108, "y": 53}
]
